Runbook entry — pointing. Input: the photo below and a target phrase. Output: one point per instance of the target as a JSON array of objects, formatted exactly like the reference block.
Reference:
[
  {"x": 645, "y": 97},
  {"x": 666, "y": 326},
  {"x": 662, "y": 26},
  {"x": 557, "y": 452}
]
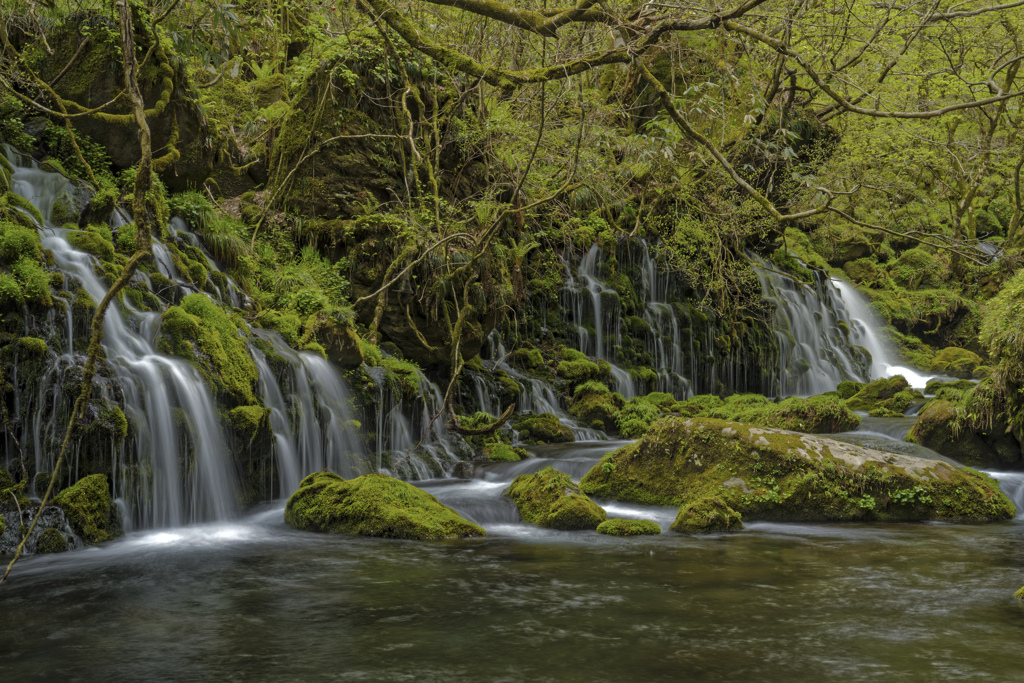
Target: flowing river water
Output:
[{"x": 254, "y": 600}]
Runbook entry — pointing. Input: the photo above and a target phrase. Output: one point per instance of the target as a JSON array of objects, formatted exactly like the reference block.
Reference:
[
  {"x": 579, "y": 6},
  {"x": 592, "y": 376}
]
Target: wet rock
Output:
[
  {"x": 373, "y": 505},
  {"x": 885, "y": 397},
  {"x": 550, "y": 499},
  {"x": 765, "y": 473},
  {"x": 51, "y": 541}
]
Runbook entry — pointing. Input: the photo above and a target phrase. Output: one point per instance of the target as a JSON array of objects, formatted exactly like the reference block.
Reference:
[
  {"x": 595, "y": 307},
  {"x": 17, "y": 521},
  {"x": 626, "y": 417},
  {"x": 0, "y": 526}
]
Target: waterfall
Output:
[
  {"x": 826, "y": 333},
  {"x": 175, "y": 467}
]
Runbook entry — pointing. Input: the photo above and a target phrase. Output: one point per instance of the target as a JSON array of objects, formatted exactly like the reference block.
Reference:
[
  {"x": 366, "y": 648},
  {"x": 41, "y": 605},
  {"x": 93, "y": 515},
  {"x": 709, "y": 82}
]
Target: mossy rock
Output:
[
  {"x": 955, "y": 362},
  {"x": 893, "y": 394},
  {"x": 201, "y": 332},
  {"x": 939, "y": 429},
  {"x": 550, "y": 499},
  {"x": 849, "y": 389},
  {"x": 90, "y": 509},
  {"x": 51, "y": 541},
  {"x": 373, "y": 505},
  {"x": 772, "y": 474},
  {"x": 628, "y": 527},
  {"x": 578, "y": 371},
  {"x": 543, "y": 428},
  {"x": 502, "y": 452},
  {"x": 863, "y": 271},
  {"x": 823, "y": 414},
  {"x": 707, "y": 516},
  {"x": 934, "y": 386},
  {"x": 530, "y": 359},
  {"x": 594, "y": 405}
]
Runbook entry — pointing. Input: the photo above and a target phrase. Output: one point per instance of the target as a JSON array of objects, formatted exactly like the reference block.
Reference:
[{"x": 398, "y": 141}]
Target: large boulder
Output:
[
  {"x": 542, "y": 428},
  {"x": 765, "y": 473},
  {"x": 550, "y": 499},
  {"x": 938, "y": 429},
  {"x": 373, "y": 505},
  {"x": 90, "y": 510}
]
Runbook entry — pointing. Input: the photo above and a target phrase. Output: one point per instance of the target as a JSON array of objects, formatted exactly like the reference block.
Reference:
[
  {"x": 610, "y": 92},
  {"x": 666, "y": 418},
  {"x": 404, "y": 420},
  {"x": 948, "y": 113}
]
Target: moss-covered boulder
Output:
[
  {"x": 939, "y": 429},
  {"x": 823, "y": 414},
  {"x": 767, "y": 473},
  {"x": 863, "y": 271},
  {"x": 90, "y": 510},
  {"x": 707, "y": 516},
  {"x": 373, "y": 505},
  {"x": 594, "y": 405},
  {"x": 955, "y": 362},
  {"x": 542, "y": 428},
  {"x": 550, "y": 499},
  {"x": 628, "y": 527},
  {"x": 51, "y": 541},
  {"x": 885, "y": 397}
]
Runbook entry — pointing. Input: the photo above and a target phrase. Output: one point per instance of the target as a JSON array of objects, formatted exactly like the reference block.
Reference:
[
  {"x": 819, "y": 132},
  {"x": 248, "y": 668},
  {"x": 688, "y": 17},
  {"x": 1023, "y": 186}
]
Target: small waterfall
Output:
[
  {"x": 1012, "y": 484},
  {"x": 819, "y": 343},
  {"x": 864, "y": 326}
]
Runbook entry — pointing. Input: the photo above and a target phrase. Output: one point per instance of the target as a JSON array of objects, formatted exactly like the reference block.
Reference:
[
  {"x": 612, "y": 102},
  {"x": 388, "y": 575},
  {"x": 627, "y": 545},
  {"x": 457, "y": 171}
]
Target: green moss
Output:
[
  {"x": 577, "y": 371},
  {"x": 542, "y": 428},
  {"x": 708, "y": 515},
  {"x": 17, "y": 242},
  {"x": 96, "y": 240},
  {"x": 767, "y": 473},
  {"x": 955, "y": 362},
  {"x": 247, "y": 420},
  {"x": 90, "y": 510},
  {"x": 636, "y": 417},
  {"x": 595, "y": 406},
  {"x": 201, "y": 332},
  {"x": 628, "y": 527},
  {"x": 849, "y": 389},
  {"x": 373, "y": 505},
  {"x": 550, "y": 499},
  {"x": 503, "y": 452},
  {"x": 315, "y": 348},
  {"x": 893, "y": 394},
  {"x": 51, "y": 541},
  {"x": 528, "y": 358},
  {"x": 33, "y": 346},
  {"x": 862, "y": 271},
  {"x": 823, "y": 414}
]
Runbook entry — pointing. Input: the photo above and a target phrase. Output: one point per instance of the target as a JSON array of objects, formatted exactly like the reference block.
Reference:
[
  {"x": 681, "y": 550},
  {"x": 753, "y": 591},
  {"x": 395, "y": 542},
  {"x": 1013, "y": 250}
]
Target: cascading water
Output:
[
  {"x": 826, "y": 333},
  {"x": 176, "y": 467}
]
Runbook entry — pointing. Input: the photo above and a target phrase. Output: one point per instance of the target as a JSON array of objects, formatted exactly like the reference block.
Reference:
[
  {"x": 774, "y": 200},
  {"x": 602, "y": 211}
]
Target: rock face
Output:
[
  {"x": 936, "y": 430},
  {"x": 550, "y": 499},
  {"x": 373, "y": 505},
  {"x": 629, "y": 527},
  {"x": 90, "y": 509},
  {"x": 773, "y": 474},
  {"x": 707, "y": 516}
]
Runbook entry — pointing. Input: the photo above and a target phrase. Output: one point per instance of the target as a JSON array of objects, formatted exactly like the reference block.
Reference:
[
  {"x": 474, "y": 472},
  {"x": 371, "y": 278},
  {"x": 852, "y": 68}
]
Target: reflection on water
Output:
[{"x": 257, "y": 601}]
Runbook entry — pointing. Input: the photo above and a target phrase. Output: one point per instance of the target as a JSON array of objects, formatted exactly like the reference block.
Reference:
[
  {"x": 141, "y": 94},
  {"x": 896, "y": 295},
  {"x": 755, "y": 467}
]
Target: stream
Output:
[{"x": 256, "y": 600}]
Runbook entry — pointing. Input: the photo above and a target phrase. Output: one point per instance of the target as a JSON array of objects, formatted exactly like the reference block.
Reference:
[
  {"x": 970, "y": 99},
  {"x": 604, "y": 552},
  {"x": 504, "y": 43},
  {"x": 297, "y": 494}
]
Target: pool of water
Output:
[{"x": 257, "y": 601}]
